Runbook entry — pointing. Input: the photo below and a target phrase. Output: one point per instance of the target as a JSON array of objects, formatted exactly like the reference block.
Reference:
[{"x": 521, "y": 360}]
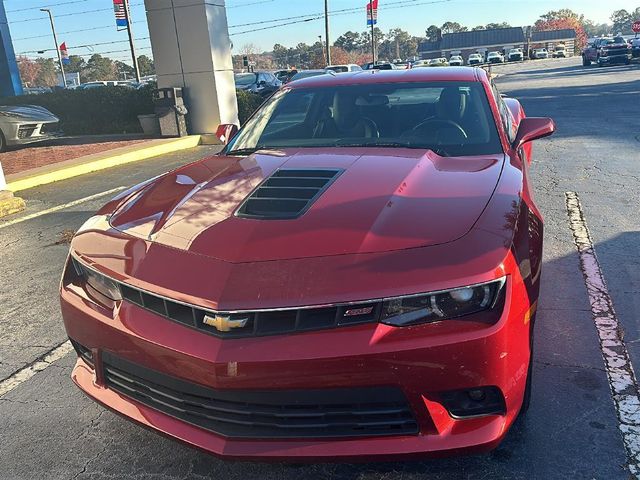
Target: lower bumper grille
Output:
[
  {"x": 25, "y": 131},
  {"x": 326, "y": 413}
]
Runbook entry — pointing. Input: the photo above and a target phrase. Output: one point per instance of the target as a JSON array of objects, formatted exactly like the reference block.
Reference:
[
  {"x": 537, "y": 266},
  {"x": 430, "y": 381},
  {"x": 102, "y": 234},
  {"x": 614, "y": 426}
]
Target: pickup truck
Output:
[
  {"x": 560, "y": 51},
  {"x": 635, "y": 48},
  {"x": 607, "y": 51}
]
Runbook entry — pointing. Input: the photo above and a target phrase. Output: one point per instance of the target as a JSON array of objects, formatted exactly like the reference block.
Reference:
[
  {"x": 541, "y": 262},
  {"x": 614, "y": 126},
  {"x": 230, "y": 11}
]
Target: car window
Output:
[
  {"x": 452, "y": 118},
  {"x": 505, "y": 114},
  {"x": 245, "y": 78}
]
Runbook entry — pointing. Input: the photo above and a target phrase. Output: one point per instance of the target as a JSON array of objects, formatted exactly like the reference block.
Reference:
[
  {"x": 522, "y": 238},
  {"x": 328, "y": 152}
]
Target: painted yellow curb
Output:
[
  {"x": 10, "y": 205},
  {"x": 99, "y": 161}
]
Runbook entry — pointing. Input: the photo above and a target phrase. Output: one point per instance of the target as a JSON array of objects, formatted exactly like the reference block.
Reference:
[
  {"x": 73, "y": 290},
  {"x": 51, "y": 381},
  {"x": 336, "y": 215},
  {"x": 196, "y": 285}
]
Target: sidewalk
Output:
[
  {"x": 39, "y": 165},
  {"x": 37, "y": 155}
]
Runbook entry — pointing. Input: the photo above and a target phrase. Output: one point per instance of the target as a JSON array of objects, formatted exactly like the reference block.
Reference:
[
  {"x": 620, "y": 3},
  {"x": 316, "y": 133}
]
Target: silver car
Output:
[{"x": 22, "y": 124}]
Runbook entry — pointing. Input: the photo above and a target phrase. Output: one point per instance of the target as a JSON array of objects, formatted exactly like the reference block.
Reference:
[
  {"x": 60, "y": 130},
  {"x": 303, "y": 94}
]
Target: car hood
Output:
[
  {"x": 384, "y": 200},
  {"x": 27, "y": 112}
]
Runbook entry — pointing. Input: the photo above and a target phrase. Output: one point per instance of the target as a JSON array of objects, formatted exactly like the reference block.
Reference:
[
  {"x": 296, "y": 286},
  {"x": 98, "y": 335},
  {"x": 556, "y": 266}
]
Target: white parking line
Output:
[
  {"x": 622, "y": 379},
  {"x": 30, "y": 370},
  {"x": 60, "y": 207}
]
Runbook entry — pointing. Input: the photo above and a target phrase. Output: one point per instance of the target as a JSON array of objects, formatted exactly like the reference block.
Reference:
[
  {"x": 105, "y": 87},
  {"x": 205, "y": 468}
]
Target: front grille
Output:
[
  {"x": 25, "y": 131},
  {"x": 287, "y": 194},
  {"x": 617, "y": 51},
  {"x": 255, "y": 323},
  {"x": 49, "y": 128},
  {"x": 344, "y": 412}
]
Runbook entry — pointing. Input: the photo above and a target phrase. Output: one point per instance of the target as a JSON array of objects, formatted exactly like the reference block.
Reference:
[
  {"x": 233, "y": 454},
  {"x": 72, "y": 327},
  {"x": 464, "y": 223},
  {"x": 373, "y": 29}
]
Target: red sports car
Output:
[{"x": 354, "y": 276}]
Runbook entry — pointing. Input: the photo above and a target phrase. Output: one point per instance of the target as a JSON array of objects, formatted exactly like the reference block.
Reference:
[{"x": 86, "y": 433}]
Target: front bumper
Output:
[
  {"x": 614, "y": 59},
  {"x": 422, "y": 361},
  {"x": 22, "y": 133}
]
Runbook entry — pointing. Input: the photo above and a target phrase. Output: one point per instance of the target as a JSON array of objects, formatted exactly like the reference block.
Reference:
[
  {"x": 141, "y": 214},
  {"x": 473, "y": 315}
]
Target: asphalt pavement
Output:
[{"x": 48, "y": 429}]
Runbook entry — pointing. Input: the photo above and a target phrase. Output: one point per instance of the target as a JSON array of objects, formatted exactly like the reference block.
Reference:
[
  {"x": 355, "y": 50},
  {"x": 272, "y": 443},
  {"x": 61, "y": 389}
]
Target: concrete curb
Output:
[
  {"x": 10, "y": 204},
  {"x": 98, "y": 161}
]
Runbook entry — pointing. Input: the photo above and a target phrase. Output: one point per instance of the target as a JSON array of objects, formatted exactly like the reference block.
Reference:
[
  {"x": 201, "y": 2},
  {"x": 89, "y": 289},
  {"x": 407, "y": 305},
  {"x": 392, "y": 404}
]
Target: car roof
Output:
[{"x": 444, "y": 74}]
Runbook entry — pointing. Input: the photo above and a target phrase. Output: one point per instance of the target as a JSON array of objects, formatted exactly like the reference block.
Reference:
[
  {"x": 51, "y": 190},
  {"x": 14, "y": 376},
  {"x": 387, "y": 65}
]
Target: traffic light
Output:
[{"x": 245, "y": 60}]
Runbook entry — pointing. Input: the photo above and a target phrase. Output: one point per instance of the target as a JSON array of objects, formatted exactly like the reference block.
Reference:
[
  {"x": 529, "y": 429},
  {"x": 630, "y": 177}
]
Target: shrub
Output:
[
  {"x": 247, "y": 104},
  {"x": 106, "y": 110}
]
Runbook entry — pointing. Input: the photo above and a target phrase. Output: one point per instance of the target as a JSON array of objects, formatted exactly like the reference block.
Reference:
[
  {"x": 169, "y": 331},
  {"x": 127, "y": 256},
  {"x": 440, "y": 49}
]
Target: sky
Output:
[{"x": 88, "y": 26}]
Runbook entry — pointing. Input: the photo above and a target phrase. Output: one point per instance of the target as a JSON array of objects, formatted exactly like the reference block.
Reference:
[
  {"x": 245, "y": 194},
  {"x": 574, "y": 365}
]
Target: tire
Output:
[
  {"x": 585, "y": 62},
  {"x": 3, "y": 143}
]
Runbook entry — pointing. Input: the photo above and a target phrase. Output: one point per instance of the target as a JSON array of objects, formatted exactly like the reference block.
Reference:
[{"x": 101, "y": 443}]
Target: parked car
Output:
[
  {"x": 285, "y": 75},
  {"x": 540, "y": 53},
  {"x": 23, "y": 124},
  {"x": 607, "y": 51},
  {"x": 379, "y": 66},
  {"x": 475, "y": 59},
  {"x": 351, "y": 67},
  {"x": 515, "y": 55},
  {"x": 307, "y": 73},
  {"x": 635, "y": 48},
  {"x": 456, "y": 60},
  {"x": 438, "y": 62},
  {"x": 420, "y": 63},
  {"x": 283, "y": 301},
  {"x": 262, "y": 83},
  {"x": 560, "y": 51},
  {"x": 495, "y": 57}
]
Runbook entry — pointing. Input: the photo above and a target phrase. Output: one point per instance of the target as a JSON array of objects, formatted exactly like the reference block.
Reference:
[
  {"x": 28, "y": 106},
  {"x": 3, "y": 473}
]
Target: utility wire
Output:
[
  {"x": 58, "y": 15},
  {"x": 73, "y": 31},
  {"x": 81, "y": 46},
  {"x": 47, "y": 5}
]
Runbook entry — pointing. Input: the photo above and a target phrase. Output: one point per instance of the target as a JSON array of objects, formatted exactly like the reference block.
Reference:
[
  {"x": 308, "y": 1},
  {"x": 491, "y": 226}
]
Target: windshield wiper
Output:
[
  {"x": 437, "y": 150},
  {"x": 249, "y": 151}
]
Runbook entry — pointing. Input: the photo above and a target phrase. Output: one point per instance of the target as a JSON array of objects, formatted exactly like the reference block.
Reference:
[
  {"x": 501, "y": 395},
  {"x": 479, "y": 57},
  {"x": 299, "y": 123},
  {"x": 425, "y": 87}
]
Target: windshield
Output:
[
  {"x": 245, "y": 78},
  {"x": 451, "y": 118},
  {"x": 307, "y": 74}
]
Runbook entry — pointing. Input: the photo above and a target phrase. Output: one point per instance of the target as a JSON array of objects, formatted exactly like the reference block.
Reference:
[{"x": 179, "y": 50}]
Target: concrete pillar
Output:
[{"x": 192, "y": 49}]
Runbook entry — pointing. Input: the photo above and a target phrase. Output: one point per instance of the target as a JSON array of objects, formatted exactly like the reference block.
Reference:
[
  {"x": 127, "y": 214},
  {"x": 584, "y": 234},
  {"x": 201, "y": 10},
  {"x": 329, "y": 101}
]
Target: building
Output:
[
  {"x": 500, "y": 39},
  {"x": 551, "y": 38}
]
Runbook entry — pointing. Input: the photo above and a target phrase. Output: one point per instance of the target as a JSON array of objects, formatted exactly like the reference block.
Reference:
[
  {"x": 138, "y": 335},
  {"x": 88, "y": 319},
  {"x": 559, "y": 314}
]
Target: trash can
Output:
[{"x": 171, "y": 111}]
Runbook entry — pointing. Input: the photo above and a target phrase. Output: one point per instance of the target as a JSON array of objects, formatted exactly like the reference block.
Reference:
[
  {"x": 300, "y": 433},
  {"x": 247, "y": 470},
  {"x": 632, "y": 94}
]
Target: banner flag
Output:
[
  {"x": 372, "y": 17},
  {"x": 118, "y": 8},
  {"x": 64, "y": 54}
]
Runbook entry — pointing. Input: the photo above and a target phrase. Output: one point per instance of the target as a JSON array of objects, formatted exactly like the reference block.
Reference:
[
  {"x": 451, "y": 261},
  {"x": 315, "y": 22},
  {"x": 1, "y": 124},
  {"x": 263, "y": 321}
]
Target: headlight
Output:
[
  {"x": 98, "y": 282},
  {"x": 437, "y": 306}
]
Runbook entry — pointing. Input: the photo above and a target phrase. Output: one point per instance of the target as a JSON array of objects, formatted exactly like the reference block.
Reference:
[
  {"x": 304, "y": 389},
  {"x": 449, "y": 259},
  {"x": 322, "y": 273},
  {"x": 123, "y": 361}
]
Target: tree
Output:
[
  {"x": 146, "y": 66},
  {"x": 349, "y": 41},
  {"x": 479, "y": 27},
  {"x": 47, "y": 73},
  {"x": 490, "y": 26},
  {"x": 623, "y": 19},
  {"x": 76, "y": 64},
  {"x": 124, "y": 71},
  {"x": 100, "y": 68},
  {"x": 339, "y": 56},
  {"x": 29, "y": 70},
  {"x": 433, "y": 33},
  {"x": 555, "y": 21},
  {"x": 452, "y": 27},
  {"x": 596, "y": 29}
]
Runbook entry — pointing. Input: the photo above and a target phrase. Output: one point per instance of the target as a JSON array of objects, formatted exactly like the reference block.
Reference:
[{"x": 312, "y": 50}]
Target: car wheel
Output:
[
  {"x": 3, "y": 142},
  {"x": 585, "y": 62}
]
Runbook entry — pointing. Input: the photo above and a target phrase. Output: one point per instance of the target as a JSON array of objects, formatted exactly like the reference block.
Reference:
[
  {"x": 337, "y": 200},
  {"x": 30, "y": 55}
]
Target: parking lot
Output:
[{"x": 49, "y": 429}]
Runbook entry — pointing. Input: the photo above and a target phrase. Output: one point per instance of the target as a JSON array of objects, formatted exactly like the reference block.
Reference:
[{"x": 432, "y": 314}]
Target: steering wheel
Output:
[{"x": 441, "y": 121}]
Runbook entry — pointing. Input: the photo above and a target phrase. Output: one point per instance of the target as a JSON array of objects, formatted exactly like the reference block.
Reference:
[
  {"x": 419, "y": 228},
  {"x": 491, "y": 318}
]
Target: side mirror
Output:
[
  {"x": 226, "y": 132},
  {"x": 532, "y": 128}
]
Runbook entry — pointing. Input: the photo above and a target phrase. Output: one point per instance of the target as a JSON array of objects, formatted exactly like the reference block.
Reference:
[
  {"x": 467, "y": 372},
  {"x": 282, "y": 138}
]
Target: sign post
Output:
[{"x": 372, "y": 19}]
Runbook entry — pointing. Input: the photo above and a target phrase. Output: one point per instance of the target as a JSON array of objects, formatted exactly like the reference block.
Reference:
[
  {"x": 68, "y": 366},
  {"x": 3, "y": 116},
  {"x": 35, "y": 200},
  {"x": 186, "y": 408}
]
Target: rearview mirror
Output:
[
  {"x": 226, "y": 132},
  {"x": 532, "y": 128}
]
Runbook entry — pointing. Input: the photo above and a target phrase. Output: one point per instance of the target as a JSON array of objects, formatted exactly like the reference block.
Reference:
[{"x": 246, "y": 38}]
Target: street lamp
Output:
[{"x": 55, "y": 41}]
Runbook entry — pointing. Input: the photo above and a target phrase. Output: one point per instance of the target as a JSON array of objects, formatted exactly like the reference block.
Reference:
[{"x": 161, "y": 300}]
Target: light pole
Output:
[
  {"x": 134, "y": 59},
  {"x": 373, "y": 34},
  {"x": 55, "y": 41},
  {"x": 326, "y": 30}
]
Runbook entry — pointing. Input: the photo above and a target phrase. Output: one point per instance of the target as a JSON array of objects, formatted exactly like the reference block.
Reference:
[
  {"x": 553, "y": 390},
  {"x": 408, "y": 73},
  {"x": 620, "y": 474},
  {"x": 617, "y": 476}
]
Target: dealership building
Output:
[{"x": 500, "y": 39}]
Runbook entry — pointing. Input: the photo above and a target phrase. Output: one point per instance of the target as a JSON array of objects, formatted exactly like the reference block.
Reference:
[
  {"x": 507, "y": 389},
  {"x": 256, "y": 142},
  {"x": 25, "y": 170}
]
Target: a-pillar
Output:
[{"x": 192, "y": 49}]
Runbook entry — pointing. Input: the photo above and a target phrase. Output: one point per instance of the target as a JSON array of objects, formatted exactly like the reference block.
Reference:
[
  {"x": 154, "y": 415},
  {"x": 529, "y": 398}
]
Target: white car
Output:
[
  {"x": 456, "y": 61},
  {"x": 540, "y": 53},
  {"x": 350, "y": 67},
  {"x": 22, "y": 124},
  {"x": 438, "y": 62},
  {"x": 560, "y": 51},
  {"x": 475, "y": 59},
  {"x": 495, "y": 57},
  {"x": 515, "y": 55},
  {"x": 420, "y": 63}
]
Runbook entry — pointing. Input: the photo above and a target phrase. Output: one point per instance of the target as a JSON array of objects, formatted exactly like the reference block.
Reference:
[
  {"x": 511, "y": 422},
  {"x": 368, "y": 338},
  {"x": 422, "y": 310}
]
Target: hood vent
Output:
[{"x": 288, "y": 193}]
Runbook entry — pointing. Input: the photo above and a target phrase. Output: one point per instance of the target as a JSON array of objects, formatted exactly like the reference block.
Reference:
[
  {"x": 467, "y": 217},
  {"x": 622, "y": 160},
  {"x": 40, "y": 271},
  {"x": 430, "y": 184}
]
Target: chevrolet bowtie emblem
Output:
[{"x": 223, "y": 323}]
